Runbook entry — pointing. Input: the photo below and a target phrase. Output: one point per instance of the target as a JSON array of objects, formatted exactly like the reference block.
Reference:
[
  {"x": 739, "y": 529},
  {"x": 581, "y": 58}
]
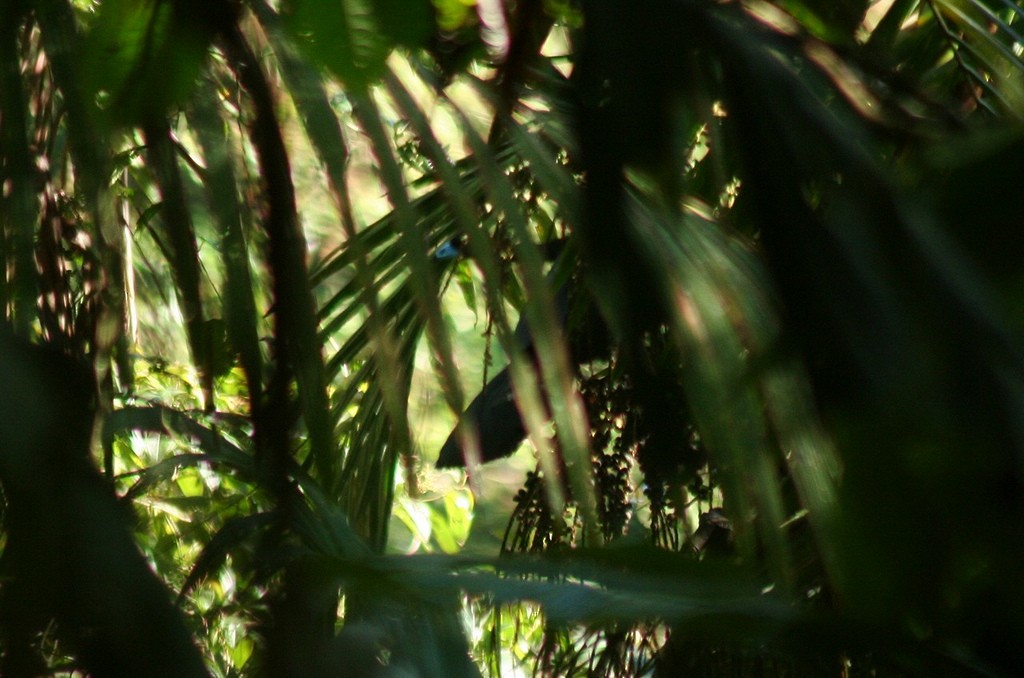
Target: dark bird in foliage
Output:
[
  {"x": 714, "y": 534},
  {"x": 494, "y": 412},
  {"x": 497, "y": 420}
]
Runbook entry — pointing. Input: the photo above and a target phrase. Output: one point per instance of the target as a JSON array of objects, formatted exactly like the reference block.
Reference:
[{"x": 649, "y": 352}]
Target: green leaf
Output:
[
  {"x": 241, "y": 651},
  {"x": 346, "y": 37},
  {"x": 168, "y": 421},
  {"x": 141, "y": 58},
  {"x": 834, "y": 20},
  {"x": 165, "y": 469},
  {"x": 410, "y": 23},
  {"x": 235, "y": 532}
]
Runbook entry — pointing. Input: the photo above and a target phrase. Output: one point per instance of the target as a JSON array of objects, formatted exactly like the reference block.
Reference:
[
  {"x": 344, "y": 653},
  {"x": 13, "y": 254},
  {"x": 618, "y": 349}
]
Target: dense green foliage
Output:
[{"x": 778, "y": 431}]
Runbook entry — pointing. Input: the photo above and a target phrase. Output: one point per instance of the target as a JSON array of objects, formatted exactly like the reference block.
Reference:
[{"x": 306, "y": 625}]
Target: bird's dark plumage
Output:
[
  {"x": 494, "y": 411},
  {"x": 498, "y": 422}
]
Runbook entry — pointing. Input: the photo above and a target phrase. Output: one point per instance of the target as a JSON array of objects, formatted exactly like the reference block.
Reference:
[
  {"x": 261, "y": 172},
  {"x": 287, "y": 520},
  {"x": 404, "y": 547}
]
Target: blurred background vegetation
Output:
[{"x": 772, "y": 390}]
